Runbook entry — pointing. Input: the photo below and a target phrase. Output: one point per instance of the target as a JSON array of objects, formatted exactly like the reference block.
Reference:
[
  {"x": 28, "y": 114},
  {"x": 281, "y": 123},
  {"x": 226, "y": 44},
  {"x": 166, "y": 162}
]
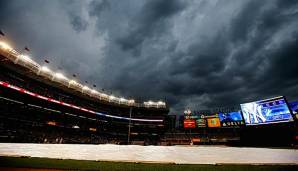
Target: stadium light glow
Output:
[
  {"x": 60, "y": 76},
  {"x": 111, "y": 97},
  {"x": 45, "y": 69},
  {"x": 94, "y": 91},
  {"x": 122, "y": 99},
  {"x": 104, "y": 95},
  {"x": 72, "y": 82},
  {"x": 160, "y": 103},
  {"x": 5, "y": 46},
  {"x": 25, "y": 58},
  {"x": 86, "y": 88},
  {"x": 131, "y": 101},
  {"x": 28, "y": 62}
]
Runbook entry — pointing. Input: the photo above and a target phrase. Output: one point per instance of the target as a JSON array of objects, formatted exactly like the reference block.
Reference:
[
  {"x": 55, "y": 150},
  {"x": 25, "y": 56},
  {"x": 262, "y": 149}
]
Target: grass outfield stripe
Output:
[{"x": 26, "y": 162}]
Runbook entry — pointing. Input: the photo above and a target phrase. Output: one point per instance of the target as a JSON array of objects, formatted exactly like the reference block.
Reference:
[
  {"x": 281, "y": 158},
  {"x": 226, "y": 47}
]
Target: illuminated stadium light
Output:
[
  {"x": 86, "y": 88},
  {"x": 25, "y": 58},
  {"x": 72, "y": 82},
  {"x": 111, "y": 97},
  {"x": 131, "y": 101},
  {"x": 122, "y": 99},
  {"x": 104, "y": 95},
  {"x": 94, "y": 92},
  {"x": 45, "y": 69},
  {"x": 5, "y": 46},
  {"x": 60, "y": 76},
  {"x": 161, "y": 103}
]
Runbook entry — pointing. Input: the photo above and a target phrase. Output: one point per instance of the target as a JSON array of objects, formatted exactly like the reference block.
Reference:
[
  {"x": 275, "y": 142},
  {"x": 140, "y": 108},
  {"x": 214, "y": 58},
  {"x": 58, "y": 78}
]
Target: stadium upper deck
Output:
[
  {"x": 38, "y": 105},
  {"x": 26, "y": 65}
]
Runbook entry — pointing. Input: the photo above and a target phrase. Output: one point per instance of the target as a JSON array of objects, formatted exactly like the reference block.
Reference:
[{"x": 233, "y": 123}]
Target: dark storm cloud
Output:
[
  {"x": 151, "y": 21},
  {"x": 96, "y": 7},
  {"x": 74, "y": 11},
  {"x": 78, "y": 24},
  {"x": 201, "y": 53}
]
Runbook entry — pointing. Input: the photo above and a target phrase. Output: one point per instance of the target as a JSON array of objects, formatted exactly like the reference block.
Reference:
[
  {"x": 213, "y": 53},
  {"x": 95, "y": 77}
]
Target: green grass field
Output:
[{"x": 25, "y": 162}]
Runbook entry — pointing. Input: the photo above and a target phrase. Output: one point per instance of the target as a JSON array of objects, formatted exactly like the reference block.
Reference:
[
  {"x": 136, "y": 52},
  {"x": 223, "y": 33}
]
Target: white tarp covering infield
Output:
[{"x": 159, "y": 154}]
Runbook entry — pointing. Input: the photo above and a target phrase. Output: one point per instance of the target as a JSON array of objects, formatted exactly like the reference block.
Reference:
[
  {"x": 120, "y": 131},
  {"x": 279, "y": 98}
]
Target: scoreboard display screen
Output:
[
  {"x": 267, "y": 111},
  {"x": 231, "y": 119}
]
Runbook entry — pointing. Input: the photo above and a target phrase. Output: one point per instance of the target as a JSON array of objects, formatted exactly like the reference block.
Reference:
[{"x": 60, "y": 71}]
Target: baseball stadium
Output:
[{"x": 54, "y": 120}]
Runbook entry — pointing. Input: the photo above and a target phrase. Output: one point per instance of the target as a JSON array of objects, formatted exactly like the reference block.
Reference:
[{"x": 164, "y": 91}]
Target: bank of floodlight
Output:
[
  {"x": 5, "y": 46},
  {"x": 59, "y": 75},
  {"x": 160, "y": 103},
  {"x": 122, "y": 99},
  {"x": 86, "y": 88},
  {"x": 94, "y": 91},
  {"x": 72, "y": 82},
  {"x": 111, "y": 97},
  {"x": 25, "y": 58},
  {"x": 45, "y": 69}
]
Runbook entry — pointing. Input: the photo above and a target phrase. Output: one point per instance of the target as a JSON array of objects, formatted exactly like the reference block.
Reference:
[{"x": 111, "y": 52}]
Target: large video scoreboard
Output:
[
  {"x": 274, "y": 110},
  {"x": 267, "y": 111}
]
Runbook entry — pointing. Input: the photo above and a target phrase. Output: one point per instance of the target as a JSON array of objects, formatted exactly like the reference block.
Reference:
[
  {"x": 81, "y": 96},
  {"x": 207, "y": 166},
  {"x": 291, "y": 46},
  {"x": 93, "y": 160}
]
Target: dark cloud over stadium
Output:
[{"x": 200, "y": 53}]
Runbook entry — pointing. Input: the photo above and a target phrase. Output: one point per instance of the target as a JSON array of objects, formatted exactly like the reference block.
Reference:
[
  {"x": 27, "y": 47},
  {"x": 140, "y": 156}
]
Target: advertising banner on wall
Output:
[
  {"x": 189, "y": 123},
  {"x": 213, "y": 122},
  {"x": 201, "y": 123}
]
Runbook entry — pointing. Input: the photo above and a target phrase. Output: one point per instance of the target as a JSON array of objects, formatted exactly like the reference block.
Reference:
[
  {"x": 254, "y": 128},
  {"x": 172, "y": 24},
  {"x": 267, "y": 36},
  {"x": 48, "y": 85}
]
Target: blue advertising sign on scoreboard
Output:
[
  {"x": 266, "y": 111},
  {"x": 294, "y": 108},
  {"x": 231, "y": 119}
]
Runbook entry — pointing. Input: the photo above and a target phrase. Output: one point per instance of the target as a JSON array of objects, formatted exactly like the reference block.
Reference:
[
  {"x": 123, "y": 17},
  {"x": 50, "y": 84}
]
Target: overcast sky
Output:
[{"x": 194, "y": 53}]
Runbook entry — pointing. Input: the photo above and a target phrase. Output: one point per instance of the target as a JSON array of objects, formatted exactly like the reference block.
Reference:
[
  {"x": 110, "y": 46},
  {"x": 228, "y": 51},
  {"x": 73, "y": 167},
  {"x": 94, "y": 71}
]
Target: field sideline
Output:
[{"x": 46, "y": 163}]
